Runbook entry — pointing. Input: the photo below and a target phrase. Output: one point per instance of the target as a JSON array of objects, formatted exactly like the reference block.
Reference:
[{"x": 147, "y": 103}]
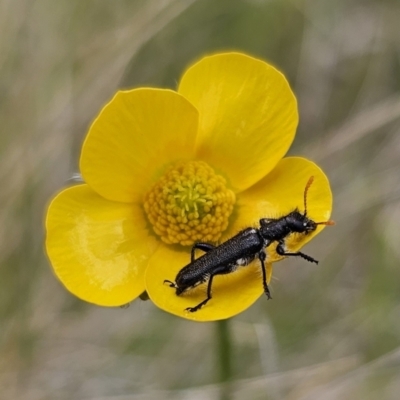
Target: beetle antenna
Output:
[
  {"x": 329, "y": 222},
  {"x": 310, "y": 181}
]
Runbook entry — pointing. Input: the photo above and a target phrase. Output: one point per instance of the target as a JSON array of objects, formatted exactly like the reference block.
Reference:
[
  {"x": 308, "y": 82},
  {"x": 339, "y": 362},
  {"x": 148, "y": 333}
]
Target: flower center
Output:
[{"x": 190, "y": 203}]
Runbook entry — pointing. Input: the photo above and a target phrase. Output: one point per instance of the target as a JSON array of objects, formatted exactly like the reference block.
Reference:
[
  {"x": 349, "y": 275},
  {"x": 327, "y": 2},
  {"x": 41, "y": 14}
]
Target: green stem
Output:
[{"x": 224, "y": 354}]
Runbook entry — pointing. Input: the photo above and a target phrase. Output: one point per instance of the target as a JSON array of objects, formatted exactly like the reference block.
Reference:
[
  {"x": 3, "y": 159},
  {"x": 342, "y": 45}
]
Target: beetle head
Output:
[{"x": 300, "y": 223}]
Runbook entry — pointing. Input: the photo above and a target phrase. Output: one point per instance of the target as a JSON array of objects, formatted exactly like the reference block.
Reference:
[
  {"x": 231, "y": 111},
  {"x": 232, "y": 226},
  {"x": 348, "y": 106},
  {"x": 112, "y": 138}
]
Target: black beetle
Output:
[{"x": 242, "y": 249}]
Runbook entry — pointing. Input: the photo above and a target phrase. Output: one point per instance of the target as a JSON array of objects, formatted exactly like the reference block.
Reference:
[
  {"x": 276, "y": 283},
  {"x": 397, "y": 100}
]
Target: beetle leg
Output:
[
  {"x": 202, "y": 246},
  {"x": 280, "y": 249},
  {"x": 170, "y": 283},
  {"x": 220, "y": 270},
  {"x": 262, "y": 256}
]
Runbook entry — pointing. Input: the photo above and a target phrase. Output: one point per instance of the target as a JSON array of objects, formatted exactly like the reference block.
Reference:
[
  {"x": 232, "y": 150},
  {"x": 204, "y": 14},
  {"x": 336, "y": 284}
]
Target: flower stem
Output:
[{"x": 224, "y": 361}]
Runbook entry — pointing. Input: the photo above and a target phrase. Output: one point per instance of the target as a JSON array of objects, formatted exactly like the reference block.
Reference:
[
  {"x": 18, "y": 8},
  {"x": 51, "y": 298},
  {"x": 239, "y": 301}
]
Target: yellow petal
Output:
[
  {"x": 137, "y": 134},
  {"x": 231, "y": 293},
  {"x": 98, "y": 249},
  {"x": 281, "y": 192},
  {"x": 248, "y": 115}
]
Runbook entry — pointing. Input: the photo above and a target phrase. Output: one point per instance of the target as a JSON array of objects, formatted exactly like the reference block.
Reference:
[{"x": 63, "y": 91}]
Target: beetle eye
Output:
[{"x": 304, "y": 223}]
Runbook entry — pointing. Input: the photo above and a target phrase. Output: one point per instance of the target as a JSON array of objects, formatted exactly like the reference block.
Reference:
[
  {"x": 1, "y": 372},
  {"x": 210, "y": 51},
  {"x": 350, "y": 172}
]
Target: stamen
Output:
[{"x": 189, "y": 203}]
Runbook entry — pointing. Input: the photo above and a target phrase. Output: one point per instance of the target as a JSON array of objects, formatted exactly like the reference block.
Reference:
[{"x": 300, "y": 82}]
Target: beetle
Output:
[{"x": 242, "y": 249}]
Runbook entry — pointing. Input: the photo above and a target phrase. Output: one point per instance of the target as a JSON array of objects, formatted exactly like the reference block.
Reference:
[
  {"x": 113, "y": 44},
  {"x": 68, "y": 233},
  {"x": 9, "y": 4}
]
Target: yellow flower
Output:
[{"x": 164, "y": 169}]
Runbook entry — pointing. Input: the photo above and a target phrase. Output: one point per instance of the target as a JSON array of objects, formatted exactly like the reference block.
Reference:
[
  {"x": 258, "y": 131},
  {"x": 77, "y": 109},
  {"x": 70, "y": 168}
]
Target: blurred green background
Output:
[{"x": 332, "y": 331}]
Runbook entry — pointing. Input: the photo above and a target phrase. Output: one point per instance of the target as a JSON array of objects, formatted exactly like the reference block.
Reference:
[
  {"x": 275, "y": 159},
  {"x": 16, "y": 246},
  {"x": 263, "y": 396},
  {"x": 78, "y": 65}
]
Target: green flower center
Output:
[{"x": 189, "y": 203}]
